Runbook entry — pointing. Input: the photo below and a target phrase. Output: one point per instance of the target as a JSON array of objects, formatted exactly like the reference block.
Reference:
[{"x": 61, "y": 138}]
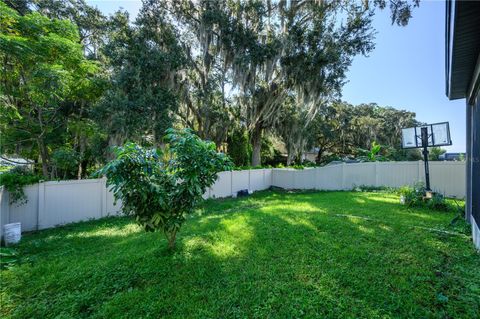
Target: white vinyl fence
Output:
[
  {"x": 56, "y": 203},
  {"x": 447, "y": 178}
]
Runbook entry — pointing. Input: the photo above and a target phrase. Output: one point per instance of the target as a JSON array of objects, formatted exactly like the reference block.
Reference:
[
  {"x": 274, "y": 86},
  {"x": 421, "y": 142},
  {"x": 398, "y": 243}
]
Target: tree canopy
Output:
[
  {"x": 258, "y": 78},
  {"x": 45, "y": 80}
]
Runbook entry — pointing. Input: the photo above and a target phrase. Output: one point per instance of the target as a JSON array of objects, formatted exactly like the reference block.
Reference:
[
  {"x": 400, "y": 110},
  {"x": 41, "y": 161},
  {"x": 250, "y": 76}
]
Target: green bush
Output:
[
  {"x": 369, "y": 188},
  {"x": 438, "y": 202},
  {"x": 15, "y": 180},
  {"x": 239, "y": 148},
  {"x": 414, "y": 197},
  {"x": 160, "y": 187},
  {"x": 4, "y": 169},
  {"x": 8, "y": 257}
]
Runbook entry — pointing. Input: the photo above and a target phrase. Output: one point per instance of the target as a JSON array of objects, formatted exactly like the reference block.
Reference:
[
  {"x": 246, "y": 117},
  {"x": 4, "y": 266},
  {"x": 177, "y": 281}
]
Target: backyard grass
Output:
[{"x": 271, "y": 255}]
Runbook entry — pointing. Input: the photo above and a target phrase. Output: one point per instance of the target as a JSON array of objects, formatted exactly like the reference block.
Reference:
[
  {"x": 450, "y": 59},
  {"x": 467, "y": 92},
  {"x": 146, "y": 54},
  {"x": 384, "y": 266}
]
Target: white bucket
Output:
[{"x": 12, "y": 233}]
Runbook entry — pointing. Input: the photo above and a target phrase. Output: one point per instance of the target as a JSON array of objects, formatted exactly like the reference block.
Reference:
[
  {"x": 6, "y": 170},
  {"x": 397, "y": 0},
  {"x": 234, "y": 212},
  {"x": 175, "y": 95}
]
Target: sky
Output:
[{"x": 406, "y": 70}]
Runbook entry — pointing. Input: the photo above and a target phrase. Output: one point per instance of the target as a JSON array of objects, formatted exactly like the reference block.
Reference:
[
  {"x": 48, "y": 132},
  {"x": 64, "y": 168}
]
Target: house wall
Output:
[{"x": 473, "y": 165}]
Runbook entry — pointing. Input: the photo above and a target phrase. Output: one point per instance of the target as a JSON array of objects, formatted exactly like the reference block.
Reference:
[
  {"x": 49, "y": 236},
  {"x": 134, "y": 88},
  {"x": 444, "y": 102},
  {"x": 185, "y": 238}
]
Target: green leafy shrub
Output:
[
  {"x": 370, "y": 188},
  {"x": 15, "y": 180},
  {"x": 268, "y": 151},
  {"x": 371, "y": 155},
  {"x": 414, "y": 197},
  {"x": 8, "y": 257},
  {"x": 4, "y": 169},
  {"x": 160, "y": 187},
  {"x": 297, "y": 166},
  {"x": 437, "y": 202}
]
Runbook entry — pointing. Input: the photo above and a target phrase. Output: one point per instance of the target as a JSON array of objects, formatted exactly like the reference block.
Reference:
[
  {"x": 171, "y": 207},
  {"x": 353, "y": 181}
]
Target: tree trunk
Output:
[
  {"x": 319, "y": 155},
  {"x": 43, "y": 155},
  {"x": 82, "y": 143},
  {"x": 41, "y": 145},
  {"x": 113, "y": 140},
  {"x": 79, "y": 172},
  {"x": 171, "y": 239},
  {"x": 290, "y": 157},
  {"x": 257, "y": 145}
]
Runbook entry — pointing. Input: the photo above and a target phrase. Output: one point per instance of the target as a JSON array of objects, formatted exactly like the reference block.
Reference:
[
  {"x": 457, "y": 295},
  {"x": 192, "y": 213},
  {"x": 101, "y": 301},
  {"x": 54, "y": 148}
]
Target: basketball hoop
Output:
[{"x": 430, "y": 135}]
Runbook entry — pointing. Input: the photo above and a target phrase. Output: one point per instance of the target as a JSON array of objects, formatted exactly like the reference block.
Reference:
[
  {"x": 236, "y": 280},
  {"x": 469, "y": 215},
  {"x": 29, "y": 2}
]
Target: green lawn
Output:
[{"x": 271, "y": 255}]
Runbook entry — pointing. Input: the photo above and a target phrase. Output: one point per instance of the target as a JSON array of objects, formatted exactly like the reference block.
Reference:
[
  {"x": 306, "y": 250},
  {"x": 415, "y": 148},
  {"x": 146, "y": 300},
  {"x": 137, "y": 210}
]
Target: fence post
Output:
[
  {"x": 263, "y": 178},
  {"x": 343, "y": 175},
  {"x": 376, "y": 174},
  {"x": 4, "y": 208},
  {"x": 41, "y": 204},
  {"x": 103, "y": 199},
  {"x": 294, "y": 172}
]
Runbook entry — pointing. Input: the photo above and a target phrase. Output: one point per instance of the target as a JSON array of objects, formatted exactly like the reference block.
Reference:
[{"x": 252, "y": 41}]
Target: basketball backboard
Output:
[{"x": 438, "y": 135}]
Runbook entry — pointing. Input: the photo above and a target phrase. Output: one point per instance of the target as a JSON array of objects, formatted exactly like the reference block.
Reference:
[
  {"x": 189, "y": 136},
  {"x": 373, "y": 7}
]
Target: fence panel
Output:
[
  {"x": 329, "y": 177},
  {"x": 283, "y": 178},
  {"x": 240, "y": 180},
  {"x": 257, "y": 180},
  {"x": 304, "y": 179},
  {"x": 111, "y": 208},
  {"x": 26, "y": 213},
  {"x": 359, "y": 174},
  {"x": 448, "y": 178},
  {"x": 223, "y": 185},
  {"x": 70, "y": 201},
  {"x": 268, "y": 178},
  {"x": 396, "y": 174}
]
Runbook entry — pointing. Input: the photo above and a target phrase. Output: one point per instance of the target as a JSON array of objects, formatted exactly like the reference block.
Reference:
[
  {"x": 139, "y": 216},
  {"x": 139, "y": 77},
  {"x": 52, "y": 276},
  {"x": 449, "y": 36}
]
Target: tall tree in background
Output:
[
  {"x": 290, "y": 48},
  {"x": 435, "y": 153},
  {"x": 205, "y": 96},
  {"x": 42, "y": 67},
  {"x": 90, "y": 22},
  {"x": 145, "y": 59},
  {"x": 343, "y": 129},
  {"x": 295, "y": 129}
]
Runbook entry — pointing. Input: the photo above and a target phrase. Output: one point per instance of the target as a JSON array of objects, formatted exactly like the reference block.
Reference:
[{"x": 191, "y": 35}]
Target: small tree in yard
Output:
[{"x": 160, "y": 187}]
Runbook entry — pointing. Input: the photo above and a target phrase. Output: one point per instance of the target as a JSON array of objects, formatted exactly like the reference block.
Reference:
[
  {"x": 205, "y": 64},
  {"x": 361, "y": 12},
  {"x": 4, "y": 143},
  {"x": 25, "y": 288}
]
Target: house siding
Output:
[{"x": 474, "y": 163}]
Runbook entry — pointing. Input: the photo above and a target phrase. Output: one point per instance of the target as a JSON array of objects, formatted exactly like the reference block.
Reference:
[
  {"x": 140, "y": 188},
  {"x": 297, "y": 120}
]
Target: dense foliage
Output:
[
  {"x": 414, "y": 196},
  {"x": 343, "y": 129},
  {"x": 159, "y": 187},
  {"x": 46, "y": 84},
  {"x": 239, "y": 148},
  {"x": 258, "y": 78},
  {"x": 15, "y": 180}
]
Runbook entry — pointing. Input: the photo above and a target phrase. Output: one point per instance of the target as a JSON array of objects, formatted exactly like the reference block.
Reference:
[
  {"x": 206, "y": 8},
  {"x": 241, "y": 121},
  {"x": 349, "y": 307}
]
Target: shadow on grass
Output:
[{"x": 288, "y": 255}]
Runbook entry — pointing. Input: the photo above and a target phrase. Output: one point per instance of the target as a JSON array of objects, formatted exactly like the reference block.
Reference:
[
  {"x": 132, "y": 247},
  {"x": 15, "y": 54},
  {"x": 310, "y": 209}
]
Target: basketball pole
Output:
[{"x": 425, "y": 158}]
